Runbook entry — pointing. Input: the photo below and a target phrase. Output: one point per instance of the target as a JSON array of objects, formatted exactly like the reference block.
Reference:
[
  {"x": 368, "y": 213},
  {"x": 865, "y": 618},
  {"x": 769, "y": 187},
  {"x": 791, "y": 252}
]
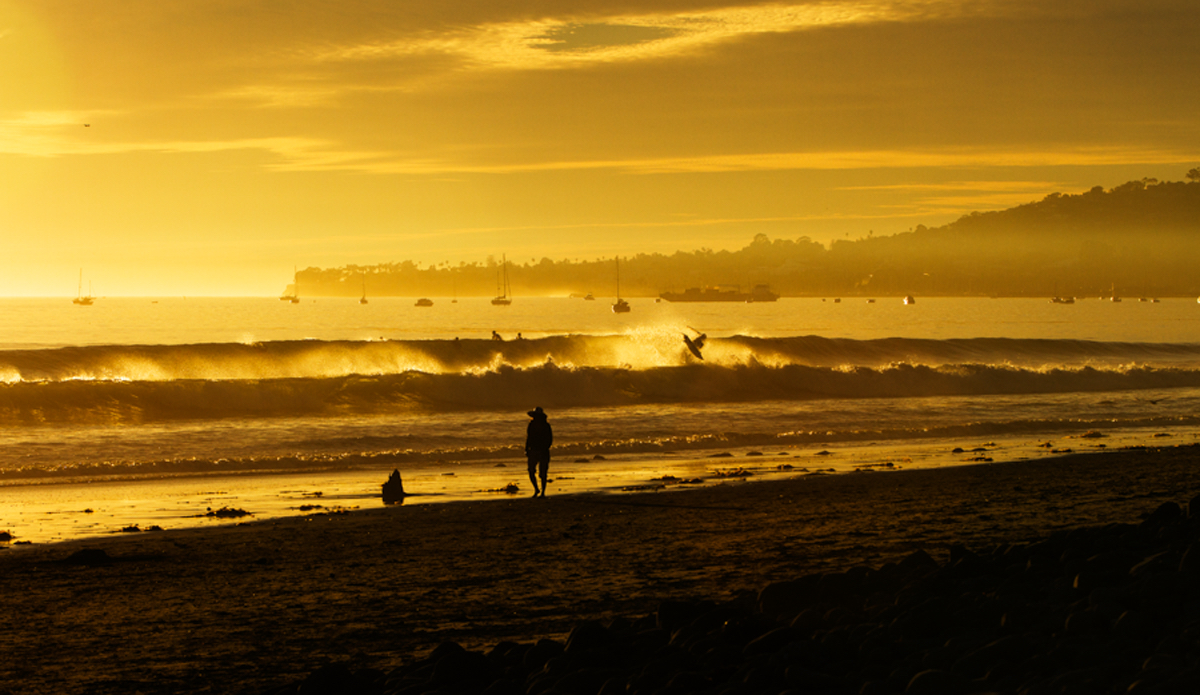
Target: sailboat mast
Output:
[{"x": 504, "y": 297}]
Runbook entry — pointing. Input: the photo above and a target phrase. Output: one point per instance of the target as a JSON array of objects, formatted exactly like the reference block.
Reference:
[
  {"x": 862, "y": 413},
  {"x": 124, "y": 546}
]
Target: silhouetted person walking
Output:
[{"x": 538, "y": 438}]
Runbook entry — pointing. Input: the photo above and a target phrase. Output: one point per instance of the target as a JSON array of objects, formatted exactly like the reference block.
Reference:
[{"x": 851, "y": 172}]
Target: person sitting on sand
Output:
[
  {"x": 393, "y": 489},
  {"x": 538, "y": 438}
]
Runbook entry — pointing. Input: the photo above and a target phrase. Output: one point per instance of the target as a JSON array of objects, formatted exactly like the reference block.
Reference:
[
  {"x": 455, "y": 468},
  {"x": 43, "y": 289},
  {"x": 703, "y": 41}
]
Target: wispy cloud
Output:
[
  {"x": 279, "y": 96},
  {"x": 49, "y": 134},
  {"x": 42, "y": 133},
  {"x": 969, "y": 186},
  {"x": 773, "y": 161},
  {"x": 61, "y": 133},
  {"x": 959, "y": 197},
  {"x": 567, "y": 41}
]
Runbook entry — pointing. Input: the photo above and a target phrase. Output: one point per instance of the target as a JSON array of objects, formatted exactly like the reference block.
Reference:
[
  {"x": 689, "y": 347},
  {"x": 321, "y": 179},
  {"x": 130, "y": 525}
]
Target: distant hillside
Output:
[
  {"x": 1140, "y": 238},
  {"x": 1143, "y": 237}
]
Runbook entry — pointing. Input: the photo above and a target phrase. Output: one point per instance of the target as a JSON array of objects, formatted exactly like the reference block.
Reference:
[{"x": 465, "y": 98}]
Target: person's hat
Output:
[{"x": 537, "y": 412}]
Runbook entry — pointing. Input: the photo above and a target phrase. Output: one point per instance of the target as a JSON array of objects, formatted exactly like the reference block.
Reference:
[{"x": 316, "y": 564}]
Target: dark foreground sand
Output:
[{"x": 258, "y": 608}]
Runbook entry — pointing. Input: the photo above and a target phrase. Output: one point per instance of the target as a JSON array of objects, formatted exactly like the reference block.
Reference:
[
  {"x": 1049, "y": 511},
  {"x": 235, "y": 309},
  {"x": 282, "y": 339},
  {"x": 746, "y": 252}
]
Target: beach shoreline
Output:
[
  {"x": 54, "y": 511},
  {"x": 248, "y": 607}
]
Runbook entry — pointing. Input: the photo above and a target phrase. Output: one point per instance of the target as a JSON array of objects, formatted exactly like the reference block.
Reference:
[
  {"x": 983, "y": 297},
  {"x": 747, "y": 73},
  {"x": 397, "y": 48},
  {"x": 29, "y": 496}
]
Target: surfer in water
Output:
[
  {"x": 538, "y": 438},
  {"x": 695, "y": 345}
]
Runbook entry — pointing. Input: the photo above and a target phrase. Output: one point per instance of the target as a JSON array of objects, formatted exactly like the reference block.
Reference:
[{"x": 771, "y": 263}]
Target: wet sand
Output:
[{"x": 250, "y": 607}]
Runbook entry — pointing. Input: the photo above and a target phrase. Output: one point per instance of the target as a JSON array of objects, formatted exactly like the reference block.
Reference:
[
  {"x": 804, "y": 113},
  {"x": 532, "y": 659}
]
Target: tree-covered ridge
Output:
[{"x": 1141, "y": 238}]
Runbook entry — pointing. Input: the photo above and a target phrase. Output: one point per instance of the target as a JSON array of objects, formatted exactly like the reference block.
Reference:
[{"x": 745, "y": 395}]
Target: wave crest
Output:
[{"x": 552, "y": 385}]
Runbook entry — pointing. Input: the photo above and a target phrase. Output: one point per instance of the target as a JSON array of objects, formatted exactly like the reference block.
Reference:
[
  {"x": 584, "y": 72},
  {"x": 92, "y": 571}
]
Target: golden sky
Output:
[{"x": 208, "y": 146}]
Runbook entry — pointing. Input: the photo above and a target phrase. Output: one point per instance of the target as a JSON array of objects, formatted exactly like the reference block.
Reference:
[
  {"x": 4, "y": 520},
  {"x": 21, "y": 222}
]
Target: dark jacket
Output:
[{"x": 538, "y": 436}]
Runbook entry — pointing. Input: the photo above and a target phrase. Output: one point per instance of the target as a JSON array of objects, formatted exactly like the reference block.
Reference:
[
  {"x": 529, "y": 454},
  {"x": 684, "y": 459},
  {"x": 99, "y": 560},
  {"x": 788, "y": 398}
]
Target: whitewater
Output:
[{"x": 331, "y": 393}]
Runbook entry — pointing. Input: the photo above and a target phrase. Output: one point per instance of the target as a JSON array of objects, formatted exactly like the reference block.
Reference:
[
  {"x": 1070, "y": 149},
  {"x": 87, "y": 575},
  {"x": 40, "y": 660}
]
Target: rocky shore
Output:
[
  {"x": 1073, "y": 574},
  {"x": 1098, "y": 609}
]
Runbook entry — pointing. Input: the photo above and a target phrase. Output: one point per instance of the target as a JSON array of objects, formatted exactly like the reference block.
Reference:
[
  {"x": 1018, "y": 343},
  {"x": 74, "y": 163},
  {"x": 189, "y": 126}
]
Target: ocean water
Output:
[{"x": 145, "y": 412}]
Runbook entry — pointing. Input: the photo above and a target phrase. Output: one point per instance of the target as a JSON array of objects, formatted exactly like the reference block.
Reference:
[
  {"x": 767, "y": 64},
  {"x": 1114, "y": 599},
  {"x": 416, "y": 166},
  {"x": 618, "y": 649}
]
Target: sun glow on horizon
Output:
[{"x": 184, "y": 149}]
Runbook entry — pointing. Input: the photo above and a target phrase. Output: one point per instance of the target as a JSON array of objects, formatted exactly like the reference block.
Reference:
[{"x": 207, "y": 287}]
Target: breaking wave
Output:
[{"x": 140, "y": 384}]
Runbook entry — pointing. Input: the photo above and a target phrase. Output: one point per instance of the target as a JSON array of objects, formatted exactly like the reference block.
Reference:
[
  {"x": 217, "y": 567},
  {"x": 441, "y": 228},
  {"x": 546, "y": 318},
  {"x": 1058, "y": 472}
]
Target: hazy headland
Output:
[{"x": 1141, "y": 238}]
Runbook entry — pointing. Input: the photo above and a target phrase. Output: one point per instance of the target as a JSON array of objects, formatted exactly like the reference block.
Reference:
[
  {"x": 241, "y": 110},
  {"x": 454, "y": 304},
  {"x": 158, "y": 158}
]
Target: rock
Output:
[
  {"x": 542, "y": 651},
  {"x": 1135, "y": 627},
  {"x": 462, "y": 668},
  {"x": 688, "y": 682},
  {"x": 1193, "y": 507},
  {"x": 227, "y": 513},
  {"x": 1088, "y": 581},
  {"x": 785, "y": 600},
  {"x": 935, "y": 682},
  {"x": 959, "y": 552},
  {"x": 918, "y": 562},
  {"x": 981, "y": 661},
  {"x": 589, "y": 636},
  {"x": 772, "y": 641},
  {"x": 502, "y": 651},
  {"x": 1167, "y": 512},
  {"x": 1096, "y": 609},
  {"x": 672, "y": 615},
  {"x": 1087, "y": 623},
  {"x": 1154, "y": 564},
  {"x": 1163, "y": 591},
  {"x": 444, "y": 650},
  {"x": 924, "y": 621},
  {"x": 1113, "y": 561},
  {"x": 90, "y": 557},
  {"x": 504, "y": 686},
  {"x": 1190, "y": 562},
  {"x": 333, "y": 679},
  {"x": 809, "y": 619},
  {"x": 807, "y": 679}
]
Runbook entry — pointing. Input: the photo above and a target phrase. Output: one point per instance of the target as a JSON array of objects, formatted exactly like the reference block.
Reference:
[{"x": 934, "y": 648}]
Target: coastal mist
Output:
[{"x": 274, "y": 400}]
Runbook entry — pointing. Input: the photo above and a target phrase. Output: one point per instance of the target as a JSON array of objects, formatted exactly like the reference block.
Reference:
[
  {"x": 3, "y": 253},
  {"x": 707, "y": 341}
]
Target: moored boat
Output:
[
  {"x": 760, "y": 293},
  {"x": 291, "y": 293},
  {"x": 505, "y": 296},
  {"x": 620, "y": 306},
  {"x": 82, "y": 299}
]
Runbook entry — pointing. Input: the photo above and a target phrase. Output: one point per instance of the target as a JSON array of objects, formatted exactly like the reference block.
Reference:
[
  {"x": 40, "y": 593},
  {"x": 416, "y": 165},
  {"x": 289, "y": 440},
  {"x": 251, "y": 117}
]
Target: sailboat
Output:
[
  {"x": 505, "y": 296},
  {"x": 1056, "y": 299},
  {"x": 80, "y": 298},
  {"x": 291, "y": 293},
  {"x": 621, "y": 306},
  {"x": 363, "y": 300}
]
